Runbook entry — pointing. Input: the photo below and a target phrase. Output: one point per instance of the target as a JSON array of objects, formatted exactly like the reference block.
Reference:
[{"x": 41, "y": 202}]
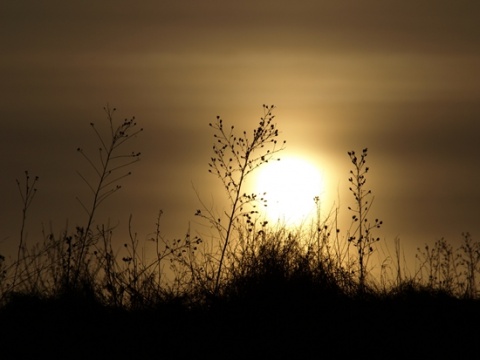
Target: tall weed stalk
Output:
[
  {"x": 234, "y": 158},
  {"x": 108, "y": 171},
  {"x": 27, "y": 193},
  {"x": 362, "y": 236}
]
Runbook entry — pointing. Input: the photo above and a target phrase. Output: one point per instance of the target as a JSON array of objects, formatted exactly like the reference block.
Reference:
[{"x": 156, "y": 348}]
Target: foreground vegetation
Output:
[{"x": 248, "y": 288}]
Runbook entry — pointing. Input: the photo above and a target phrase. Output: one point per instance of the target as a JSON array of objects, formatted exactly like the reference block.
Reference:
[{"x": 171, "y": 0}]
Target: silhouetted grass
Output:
[{"x": 264, "y": 292}]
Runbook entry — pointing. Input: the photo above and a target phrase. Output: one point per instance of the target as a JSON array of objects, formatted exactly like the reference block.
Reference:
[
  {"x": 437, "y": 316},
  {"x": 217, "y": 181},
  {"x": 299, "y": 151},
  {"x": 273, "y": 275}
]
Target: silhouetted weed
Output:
[{"x": 252, "y": 288}]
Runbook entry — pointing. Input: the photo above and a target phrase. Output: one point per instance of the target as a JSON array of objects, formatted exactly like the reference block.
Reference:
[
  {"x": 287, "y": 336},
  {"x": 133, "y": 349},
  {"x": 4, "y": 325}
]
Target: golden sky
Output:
[{"x": 398, "y": 77}]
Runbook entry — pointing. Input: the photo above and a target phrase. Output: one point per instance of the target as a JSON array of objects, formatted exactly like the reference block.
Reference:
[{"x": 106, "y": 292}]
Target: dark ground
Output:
[{"x": 401, "y": 327}]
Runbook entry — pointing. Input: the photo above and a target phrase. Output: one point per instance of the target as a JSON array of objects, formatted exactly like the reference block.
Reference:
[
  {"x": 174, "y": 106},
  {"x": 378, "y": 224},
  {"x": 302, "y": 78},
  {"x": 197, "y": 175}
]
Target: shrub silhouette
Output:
[{"x": 277, "y": 291}]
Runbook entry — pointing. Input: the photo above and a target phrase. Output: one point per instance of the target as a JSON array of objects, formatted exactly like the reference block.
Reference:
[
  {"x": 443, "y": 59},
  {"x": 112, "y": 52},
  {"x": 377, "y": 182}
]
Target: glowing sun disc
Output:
[{"x": 291, "y": 185}]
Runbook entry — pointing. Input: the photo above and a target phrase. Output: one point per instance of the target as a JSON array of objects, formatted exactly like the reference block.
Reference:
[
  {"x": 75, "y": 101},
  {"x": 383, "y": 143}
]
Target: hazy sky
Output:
[{"x": 398, "y": 77}]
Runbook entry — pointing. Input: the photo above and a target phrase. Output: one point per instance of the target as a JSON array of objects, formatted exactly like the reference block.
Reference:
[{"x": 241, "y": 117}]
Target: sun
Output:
[{"x": 290, "y": 186}]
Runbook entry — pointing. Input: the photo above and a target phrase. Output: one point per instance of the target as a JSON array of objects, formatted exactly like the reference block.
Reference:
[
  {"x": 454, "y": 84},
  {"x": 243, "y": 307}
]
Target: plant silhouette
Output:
[
  {"x": 277, "y": 291},
  {"x": 235, "y": 158}
]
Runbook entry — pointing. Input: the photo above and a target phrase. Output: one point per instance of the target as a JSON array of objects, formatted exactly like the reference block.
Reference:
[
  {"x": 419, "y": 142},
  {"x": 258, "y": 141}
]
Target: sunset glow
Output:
[{"x": 291, "y": 185}]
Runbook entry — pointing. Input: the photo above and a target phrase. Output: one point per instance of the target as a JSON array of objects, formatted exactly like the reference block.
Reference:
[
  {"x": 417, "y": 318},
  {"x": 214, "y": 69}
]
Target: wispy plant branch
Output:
[{"x": 235, "y": 157}]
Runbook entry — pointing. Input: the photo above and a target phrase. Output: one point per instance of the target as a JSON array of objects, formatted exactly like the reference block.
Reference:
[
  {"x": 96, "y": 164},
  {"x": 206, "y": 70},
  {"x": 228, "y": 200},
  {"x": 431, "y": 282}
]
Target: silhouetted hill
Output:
[{"x": 407, "y": 325}]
